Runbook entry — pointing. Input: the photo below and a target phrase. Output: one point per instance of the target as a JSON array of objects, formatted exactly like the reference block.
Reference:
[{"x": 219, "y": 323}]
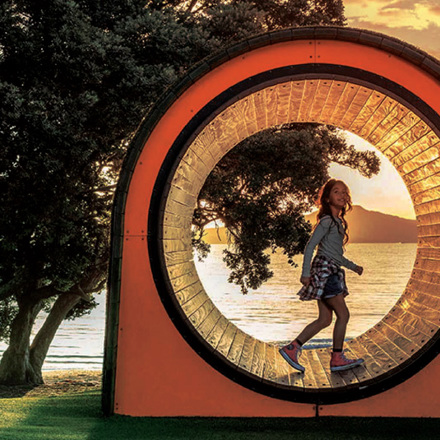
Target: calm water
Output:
[{"x": 273, "y": 313}]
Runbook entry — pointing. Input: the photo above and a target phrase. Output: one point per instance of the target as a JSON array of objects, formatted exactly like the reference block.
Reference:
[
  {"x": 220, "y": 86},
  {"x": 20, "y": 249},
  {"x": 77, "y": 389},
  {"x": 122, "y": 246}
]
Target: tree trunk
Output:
[
  {"x": 44, "y": 337},
  {"x": 15, "y": 367}
]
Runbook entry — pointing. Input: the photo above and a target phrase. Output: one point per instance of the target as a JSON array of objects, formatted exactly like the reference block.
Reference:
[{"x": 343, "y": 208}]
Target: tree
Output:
[
  {"x": 76, "y": 77},
  {"x": 261, "y": 189}
]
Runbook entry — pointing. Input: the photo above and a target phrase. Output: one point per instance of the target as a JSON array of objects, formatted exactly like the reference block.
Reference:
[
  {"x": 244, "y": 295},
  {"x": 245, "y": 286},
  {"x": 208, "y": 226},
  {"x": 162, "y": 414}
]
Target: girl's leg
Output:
[
  {"x": 338, "y": 361},
  {"x": 324, "y": 320},
  {"x": 337, "y": 303}
]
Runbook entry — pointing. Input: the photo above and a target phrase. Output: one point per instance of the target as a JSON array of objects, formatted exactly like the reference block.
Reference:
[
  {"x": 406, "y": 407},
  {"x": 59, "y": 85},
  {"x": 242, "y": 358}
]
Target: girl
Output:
[{"x": 325, "y": 280}]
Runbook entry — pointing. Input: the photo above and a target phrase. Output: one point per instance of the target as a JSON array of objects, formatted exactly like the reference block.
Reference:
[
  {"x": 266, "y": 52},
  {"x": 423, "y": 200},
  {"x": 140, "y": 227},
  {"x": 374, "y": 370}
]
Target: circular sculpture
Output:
[{"x": 387, "y": 113}]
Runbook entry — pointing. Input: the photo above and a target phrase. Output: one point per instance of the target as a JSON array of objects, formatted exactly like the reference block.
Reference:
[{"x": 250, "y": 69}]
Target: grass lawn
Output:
[{"x": 78, "y": 416}]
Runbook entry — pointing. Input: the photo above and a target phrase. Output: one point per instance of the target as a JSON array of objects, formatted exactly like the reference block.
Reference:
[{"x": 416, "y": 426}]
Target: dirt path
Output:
[{"x": 56, "y": 383}]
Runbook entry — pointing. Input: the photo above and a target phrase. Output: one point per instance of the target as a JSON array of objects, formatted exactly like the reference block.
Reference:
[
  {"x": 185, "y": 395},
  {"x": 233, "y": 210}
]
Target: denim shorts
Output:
[{"x": 333, "y": 287}]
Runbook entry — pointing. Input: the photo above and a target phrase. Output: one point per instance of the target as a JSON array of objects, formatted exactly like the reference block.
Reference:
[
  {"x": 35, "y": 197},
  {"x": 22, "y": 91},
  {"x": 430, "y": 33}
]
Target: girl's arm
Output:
[
  {"x": 321, "y": 229},
  {"x": 348, "y": 264},
  {"x": 352, "y": 266}
]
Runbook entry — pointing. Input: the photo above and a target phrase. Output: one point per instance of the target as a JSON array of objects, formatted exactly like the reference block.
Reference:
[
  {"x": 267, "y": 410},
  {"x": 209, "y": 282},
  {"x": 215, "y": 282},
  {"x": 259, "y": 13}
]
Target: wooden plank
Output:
[
  {"x": 425, "y": 171},
  {"x": 429, "y": 241},
  {"x": 308, "y": 98},
  {"x": 428, "y": 158},
  {"x": 209, "y": 141},
  {"x": 347, "y": 97},
  {"x": 247, "y": 354},
  {"x": 269, "y": 371},
  {"x": 387, "y": 344},
  {"x": 171, "y": 233},
  {"x": 419, "y": 306},
  {"x": 226, "y": 339},
  {"x": 425, "y": 190},
  {"x": 388, "y": 123},
  {"x": 174, "y": 245},
  {"x": 361, "y": 372},
  {"x": 178, "y": 208},
  {"x": 427, "y": 208},
  {"x": 405, "y": 327},
  {"x": 335, "y": 93},
  {"x": 296, "y": 97},
  {"x": 429, "y": 218},
  {"x": 224, "y": 127},
  {"x": 176, "y": 221},
  {"x": 250, "y": 115},
  {"x": 398, "y": 333},
  {"x": 321, "y": 95},
  {"x": 324, "y": 355},
  {"x": 190, "y": 306},
  {"x": 427, "y": 265},
  {"x": 416, "y": 323},
  {"x": 238, "y": 111},
  {"x": 186, "y": 287},
  {"x": 296, "y": 378},
  {"x": 198, "y": 316},
  {"x": 374, "y": 346},
  {"x": 429, "y": 290},
  {"x": 282, "y": 111},
  {"x": 414, "y": 134},
  {"x": 418, "y": 139},
  {"x": 320, "y": 371},
  {"x": 361, "y": 98},
  {"x": 271, "y": 105},
  {"x": 429, "y": 231},
  {"x": 385, "y": 108},
  {"x": 207, "y": 326},
  {"x": 181, "y": 269},
  {"x": 260, "y": 110},
  {"x": 283, "y": 370},
  {"x": 371, "y": 367},
  {"x": 310, "y": 381},
  {"x": 236, "y": 347},
  {"x": 188, "y": 178},
  {"x": 395, "y": 135},
  {"x": 367, "y": 112},
  {"x": 172, "y": 258},
  {"x": 196, "y": 160},
  {"x": 218, "y": 331},
  {"x": 427, "y": 275},
  {"x": 347, "y": 376},
  {"x": 259, "y": 358}
]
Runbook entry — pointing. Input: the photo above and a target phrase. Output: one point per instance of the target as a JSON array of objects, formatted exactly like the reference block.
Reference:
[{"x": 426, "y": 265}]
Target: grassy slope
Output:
[{"x": 77, "y": 416}]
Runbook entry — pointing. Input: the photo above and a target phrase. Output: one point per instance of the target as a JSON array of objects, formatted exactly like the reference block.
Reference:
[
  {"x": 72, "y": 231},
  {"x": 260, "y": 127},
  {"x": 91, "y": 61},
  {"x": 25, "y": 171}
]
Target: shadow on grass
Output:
[{"x": 79, "y": 417}]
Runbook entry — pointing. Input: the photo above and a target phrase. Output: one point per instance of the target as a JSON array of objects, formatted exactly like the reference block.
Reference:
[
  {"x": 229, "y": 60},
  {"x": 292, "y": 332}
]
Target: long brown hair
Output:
[{"x": 324, "y": 206}]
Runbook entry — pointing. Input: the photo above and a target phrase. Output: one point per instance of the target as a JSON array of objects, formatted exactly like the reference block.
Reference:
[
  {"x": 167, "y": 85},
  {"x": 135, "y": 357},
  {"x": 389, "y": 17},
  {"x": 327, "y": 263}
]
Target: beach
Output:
[{"x": 56, "y": 383}]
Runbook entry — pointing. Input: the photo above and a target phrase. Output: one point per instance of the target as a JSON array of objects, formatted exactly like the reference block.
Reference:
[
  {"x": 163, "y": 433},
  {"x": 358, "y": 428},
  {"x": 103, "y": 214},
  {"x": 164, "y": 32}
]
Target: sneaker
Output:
[
  {"x": 291, "y": 353},
  {"x": 339, "y": 362}
]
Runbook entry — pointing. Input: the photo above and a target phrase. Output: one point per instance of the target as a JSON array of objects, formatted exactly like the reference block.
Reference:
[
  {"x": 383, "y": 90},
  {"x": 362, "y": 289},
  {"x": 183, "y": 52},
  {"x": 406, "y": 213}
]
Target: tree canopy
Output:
[
  {"x": 76, "y": 78},
  {"x": 261, "y": 190}
]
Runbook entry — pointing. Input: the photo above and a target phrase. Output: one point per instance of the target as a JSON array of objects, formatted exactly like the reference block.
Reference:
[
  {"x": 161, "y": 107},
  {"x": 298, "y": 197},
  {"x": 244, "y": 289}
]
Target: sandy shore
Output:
[{"x": 56, "y": 383}]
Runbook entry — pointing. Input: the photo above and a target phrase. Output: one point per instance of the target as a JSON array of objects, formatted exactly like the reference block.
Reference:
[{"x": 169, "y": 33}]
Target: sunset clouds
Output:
[{"x": 416, "y": 22}]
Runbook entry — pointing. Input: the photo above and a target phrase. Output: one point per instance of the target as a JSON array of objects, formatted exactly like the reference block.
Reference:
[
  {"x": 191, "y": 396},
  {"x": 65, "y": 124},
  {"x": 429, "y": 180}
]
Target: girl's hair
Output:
[{"x": 324, "y": 205}]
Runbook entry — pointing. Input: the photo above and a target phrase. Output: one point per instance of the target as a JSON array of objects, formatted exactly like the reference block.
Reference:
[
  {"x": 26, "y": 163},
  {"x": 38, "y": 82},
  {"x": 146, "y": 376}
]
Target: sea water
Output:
[{"x": 273, "y": 313}]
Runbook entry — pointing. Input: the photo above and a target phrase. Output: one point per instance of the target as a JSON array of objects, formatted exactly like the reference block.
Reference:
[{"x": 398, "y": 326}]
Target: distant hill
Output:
[
  {"x": 364, "y": 227},
  {"x": 375, "y": 227}
]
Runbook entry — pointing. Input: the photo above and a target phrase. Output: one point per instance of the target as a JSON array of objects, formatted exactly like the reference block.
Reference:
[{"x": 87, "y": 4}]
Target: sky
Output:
[{"x": 417, "y": 23}]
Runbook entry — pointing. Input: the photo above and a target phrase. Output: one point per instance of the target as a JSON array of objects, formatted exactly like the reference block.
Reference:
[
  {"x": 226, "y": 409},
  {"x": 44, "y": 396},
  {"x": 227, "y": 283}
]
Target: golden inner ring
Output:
[{"x": 396, "y": 131}]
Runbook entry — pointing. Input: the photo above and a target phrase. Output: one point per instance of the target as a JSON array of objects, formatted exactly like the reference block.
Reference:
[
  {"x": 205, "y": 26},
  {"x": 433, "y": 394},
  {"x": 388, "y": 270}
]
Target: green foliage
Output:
[
  {"x": 261, "y": 189},
  {"x": 76, "y": 78}
]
